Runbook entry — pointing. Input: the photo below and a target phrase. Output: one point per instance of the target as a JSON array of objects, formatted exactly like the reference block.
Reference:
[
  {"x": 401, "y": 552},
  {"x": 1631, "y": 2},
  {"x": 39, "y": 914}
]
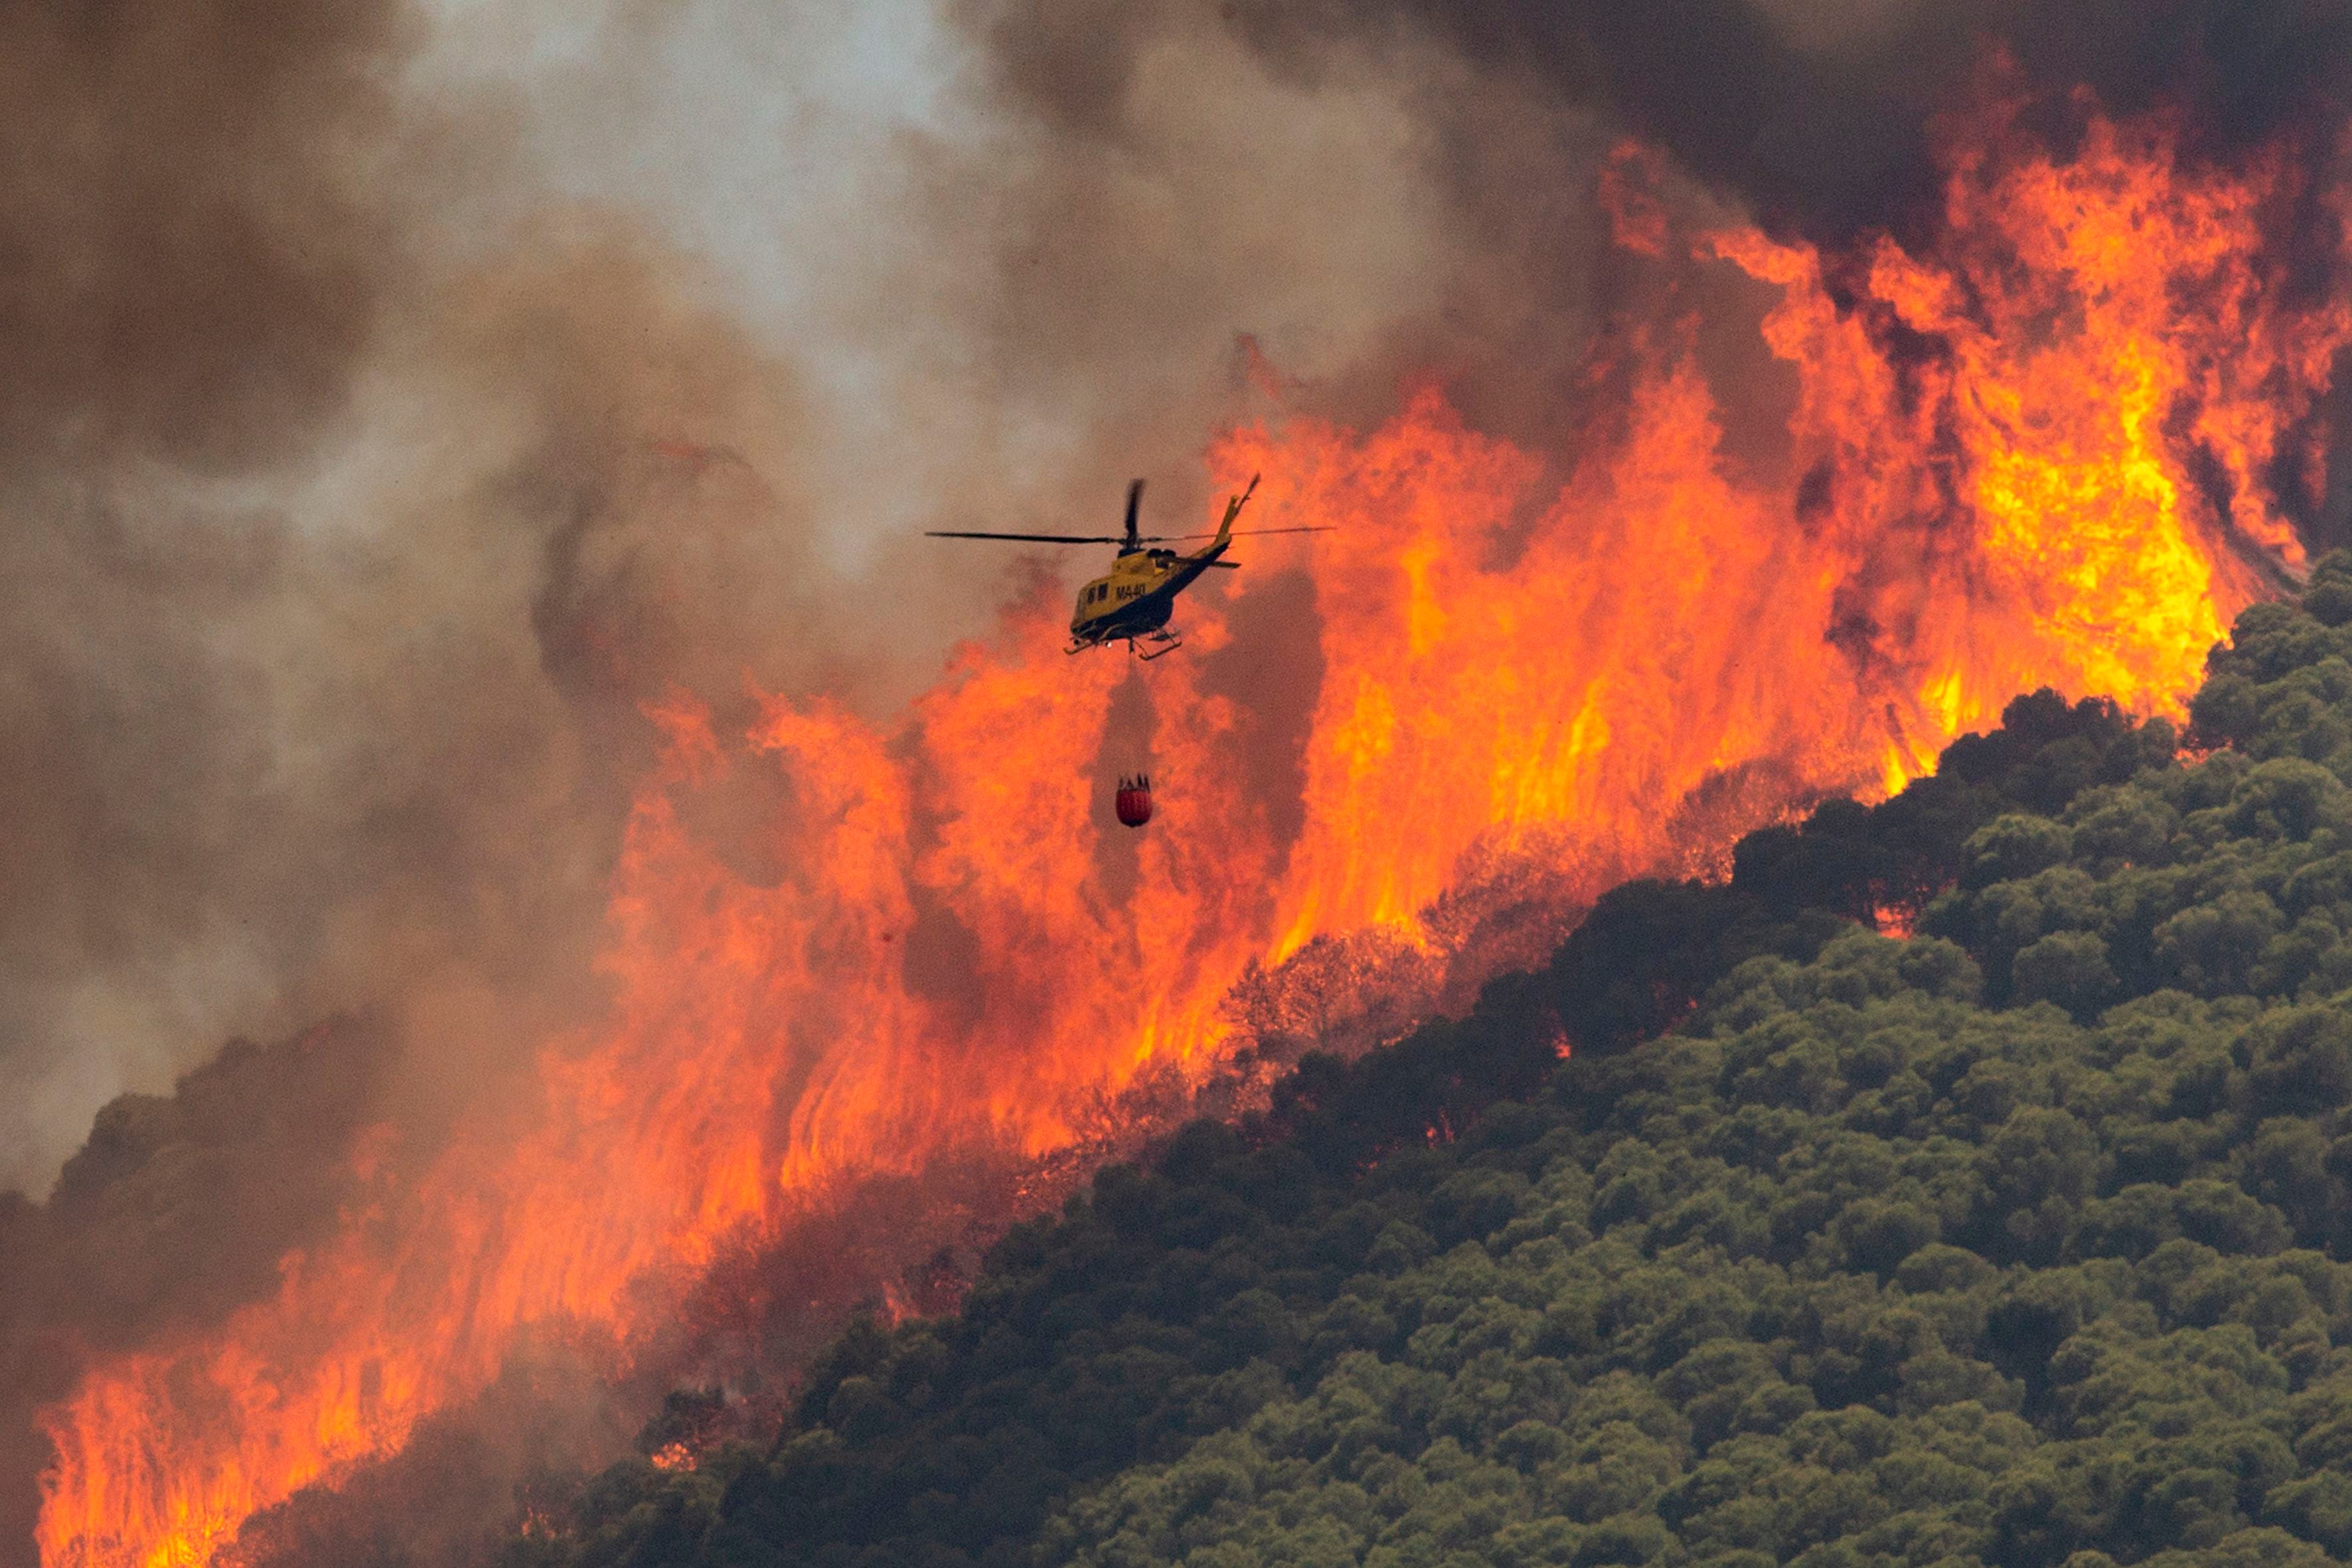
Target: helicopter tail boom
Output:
[{"x": 1232, "y": 511}]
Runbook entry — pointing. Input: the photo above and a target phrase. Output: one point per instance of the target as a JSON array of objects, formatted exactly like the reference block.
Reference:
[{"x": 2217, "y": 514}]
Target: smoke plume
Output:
[
  {"x": 378, "y": 441},
  {"x": 364, "y": 482}
]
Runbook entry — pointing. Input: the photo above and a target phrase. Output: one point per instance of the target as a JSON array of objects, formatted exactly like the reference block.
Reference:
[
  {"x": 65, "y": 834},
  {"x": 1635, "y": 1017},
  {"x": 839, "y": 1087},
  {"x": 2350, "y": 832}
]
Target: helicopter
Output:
[{"x": 1133, "y": 604}]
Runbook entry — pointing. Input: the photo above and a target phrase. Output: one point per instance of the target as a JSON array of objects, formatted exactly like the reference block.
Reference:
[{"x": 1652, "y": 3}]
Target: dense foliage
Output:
[{"x": 2013, "y": 1243}]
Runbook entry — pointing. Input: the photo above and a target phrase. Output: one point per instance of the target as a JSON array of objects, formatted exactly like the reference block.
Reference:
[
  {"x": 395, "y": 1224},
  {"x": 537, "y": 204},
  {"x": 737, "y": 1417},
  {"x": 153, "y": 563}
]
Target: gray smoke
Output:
[
  {"x": 193, "y": 272},
  {"x": 362, "y": 476},
  {"x": 377, "y": 435},
  {"x": 350, "y": 514},
  {"x": 1817, "y": 117}
]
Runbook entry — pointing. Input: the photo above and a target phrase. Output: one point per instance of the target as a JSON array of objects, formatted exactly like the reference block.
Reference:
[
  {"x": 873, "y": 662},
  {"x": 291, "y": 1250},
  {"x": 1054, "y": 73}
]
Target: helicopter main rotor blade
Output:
[
  {"x": 1134, "y": 501},
  {"x": 1029, "y": 538},
  {"x": 1237, "y": 533}
]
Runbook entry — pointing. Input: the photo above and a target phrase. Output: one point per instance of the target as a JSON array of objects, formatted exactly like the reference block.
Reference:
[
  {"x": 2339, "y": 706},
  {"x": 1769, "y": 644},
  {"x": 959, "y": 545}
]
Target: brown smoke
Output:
[
  {"x": 340, "y": 547},
  {"x": 358, "y": 491},
  {"x": 312, "y": 504},
  {"x": 194, "y": 268},
  {"x": 1816, "y": 119},
  {"x": 1817, "y": 116},
  {"x": 361, "y": 492},
  {"x": 344, "y": 544}
]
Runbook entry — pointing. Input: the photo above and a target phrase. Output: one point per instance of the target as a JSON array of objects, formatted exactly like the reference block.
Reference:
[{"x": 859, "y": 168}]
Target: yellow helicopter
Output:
[{"x": 1133, "y": 604}]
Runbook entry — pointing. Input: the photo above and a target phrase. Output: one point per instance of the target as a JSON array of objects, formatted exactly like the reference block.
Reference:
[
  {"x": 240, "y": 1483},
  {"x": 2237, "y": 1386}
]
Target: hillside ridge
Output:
[{"x": 2012, "y": 1242}]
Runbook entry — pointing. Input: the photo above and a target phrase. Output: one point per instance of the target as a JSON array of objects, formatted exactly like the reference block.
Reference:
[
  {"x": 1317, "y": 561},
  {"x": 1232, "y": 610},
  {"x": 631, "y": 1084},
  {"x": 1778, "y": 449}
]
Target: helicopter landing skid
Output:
[{"x": 1168, "y": 645}]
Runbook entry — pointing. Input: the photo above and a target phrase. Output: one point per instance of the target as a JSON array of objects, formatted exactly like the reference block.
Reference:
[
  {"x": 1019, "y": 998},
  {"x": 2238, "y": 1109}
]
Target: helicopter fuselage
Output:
[{"x": 1139, "y": 595}]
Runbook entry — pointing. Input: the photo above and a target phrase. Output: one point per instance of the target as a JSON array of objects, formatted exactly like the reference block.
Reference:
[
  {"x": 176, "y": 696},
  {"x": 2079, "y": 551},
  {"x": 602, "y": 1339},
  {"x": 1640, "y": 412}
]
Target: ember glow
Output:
[{"x": 2046, "y": 453}]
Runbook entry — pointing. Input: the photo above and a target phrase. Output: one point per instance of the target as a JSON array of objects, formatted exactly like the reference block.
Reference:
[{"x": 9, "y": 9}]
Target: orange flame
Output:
[{"x": 2039, "y": 454}]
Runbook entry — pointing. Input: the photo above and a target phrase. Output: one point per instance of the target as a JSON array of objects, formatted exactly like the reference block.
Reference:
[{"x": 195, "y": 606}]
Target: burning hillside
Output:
[{"x": 2060, "y": 440}]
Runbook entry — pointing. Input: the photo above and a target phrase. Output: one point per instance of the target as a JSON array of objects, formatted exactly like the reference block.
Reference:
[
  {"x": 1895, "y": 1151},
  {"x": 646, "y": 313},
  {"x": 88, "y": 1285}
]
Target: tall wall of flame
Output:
[{"x": 2049, "y": 451}]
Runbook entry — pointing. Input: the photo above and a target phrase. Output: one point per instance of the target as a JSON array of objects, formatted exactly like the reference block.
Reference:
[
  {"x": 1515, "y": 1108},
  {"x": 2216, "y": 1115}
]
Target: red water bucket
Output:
[{"x": 1135, "y": 800}]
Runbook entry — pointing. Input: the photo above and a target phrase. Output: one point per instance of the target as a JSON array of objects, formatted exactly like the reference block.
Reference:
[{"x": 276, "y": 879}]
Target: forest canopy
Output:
[{"x": 2016, "y": 1242}]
